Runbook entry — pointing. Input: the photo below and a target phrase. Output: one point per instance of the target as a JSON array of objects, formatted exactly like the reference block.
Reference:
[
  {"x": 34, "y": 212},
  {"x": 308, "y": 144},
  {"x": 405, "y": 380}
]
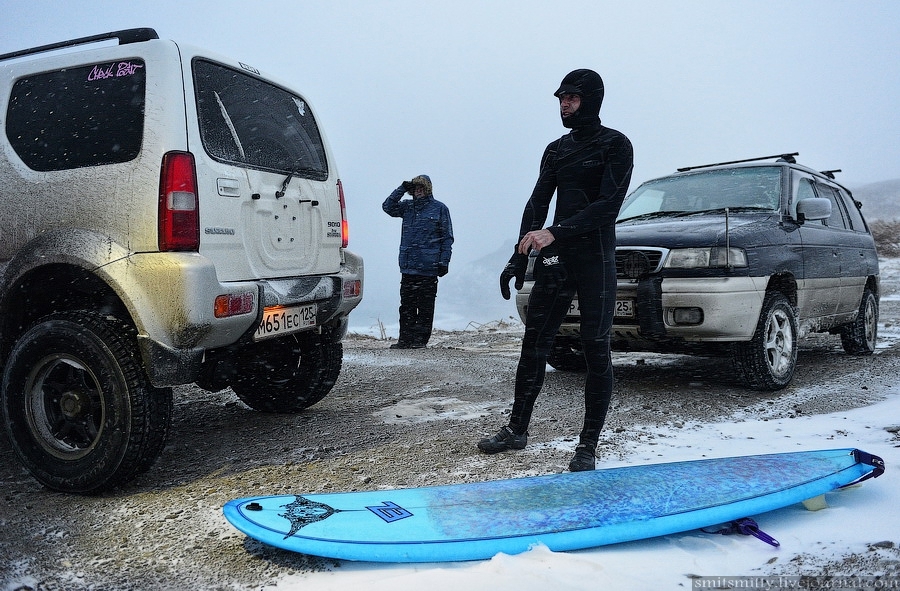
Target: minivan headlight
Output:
[{"x": 705, "y": 258}]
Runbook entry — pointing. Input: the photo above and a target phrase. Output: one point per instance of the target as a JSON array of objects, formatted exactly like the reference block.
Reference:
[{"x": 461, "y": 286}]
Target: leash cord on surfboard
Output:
[
  {"x": 869, "y": 460},
  {"x": 747, "y": 527}
]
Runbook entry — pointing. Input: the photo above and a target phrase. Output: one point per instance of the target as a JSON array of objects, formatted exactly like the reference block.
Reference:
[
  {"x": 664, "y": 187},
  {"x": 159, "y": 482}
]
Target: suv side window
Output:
[
  {"x": 837, "y": 219},
  {"x": 78, "y": 117},
  {"x": 246, "y": 121}
]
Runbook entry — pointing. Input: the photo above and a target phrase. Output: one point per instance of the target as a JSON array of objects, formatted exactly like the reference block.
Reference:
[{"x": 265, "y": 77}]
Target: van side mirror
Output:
[{"x": 814, "y": 208}]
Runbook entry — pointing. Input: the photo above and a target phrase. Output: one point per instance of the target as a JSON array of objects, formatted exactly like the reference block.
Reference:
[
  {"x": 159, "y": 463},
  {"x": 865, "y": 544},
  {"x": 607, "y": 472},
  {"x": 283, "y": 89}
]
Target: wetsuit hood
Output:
[{"x": 589, "y": 86}]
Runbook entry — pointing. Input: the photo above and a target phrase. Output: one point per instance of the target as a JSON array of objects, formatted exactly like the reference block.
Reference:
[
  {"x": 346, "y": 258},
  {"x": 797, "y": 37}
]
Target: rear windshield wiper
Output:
[{"x": 296, "y": 170}]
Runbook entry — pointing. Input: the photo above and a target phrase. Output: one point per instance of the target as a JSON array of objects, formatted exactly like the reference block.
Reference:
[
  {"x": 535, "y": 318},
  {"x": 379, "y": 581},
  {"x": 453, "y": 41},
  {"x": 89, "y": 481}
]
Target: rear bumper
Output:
[{"x": 171, "y": 298}]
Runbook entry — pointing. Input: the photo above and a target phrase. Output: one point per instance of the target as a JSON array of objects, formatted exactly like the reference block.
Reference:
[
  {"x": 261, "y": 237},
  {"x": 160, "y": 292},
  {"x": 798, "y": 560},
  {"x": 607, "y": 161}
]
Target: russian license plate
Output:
[
  {"x": 280, "y": 320},
  {"x": 624, "y": 309}
]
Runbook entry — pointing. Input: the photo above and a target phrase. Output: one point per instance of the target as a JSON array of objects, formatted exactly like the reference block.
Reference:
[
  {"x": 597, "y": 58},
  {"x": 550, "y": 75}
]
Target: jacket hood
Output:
[
  {"x": 589, "y": 86},
  {"x": 425, "y": 181}
]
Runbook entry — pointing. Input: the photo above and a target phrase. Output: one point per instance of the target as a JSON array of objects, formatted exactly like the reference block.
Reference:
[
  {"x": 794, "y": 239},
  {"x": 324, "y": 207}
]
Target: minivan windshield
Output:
[
  {"x": 250, "y": 122},
  {"x": 738, "y": 189}
]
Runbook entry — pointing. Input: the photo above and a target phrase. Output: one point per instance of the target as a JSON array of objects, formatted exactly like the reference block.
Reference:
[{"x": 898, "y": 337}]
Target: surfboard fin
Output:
[{"x": 815, "y": 503}]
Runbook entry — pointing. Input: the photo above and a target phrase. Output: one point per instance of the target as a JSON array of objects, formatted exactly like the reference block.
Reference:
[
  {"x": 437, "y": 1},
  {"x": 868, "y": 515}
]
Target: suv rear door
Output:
[{"x": 269, "y": 204}]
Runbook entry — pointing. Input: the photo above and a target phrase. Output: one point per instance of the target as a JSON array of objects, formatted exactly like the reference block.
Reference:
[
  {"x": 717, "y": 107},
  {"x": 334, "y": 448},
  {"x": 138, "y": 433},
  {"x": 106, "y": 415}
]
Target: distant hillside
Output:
[{"x": 881, "y": 201}]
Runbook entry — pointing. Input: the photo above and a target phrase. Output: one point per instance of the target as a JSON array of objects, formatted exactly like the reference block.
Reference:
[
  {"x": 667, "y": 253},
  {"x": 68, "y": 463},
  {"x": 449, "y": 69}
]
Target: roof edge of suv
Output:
[{"x": 125, "y": 36}]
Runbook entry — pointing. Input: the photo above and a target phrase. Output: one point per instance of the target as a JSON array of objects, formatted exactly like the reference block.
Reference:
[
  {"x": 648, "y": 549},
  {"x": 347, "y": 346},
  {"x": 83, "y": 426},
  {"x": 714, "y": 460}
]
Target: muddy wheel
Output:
[
  {"x": 79, "y": 410},
  {"x": 566, "y": 355},
  {"x": 859, "y": 337},
  {"x": 288, "y": 375},
  {"x": 768, "y": 360}
]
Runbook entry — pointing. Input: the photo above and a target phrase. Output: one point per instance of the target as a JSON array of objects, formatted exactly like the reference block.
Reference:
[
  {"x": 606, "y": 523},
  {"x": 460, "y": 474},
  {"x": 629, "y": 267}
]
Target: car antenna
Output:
[{"x": 786, "y": 157}]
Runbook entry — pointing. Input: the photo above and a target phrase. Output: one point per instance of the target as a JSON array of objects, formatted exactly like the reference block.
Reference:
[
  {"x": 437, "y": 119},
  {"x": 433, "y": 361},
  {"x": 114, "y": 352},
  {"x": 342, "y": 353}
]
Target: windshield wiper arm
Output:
[{"x": 651, "y": 215}]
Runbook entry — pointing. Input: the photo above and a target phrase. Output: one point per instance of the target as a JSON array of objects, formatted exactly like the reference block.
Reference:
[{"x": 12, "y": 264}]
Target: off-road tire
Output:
[
  {"x": 288, "y": 375},
  {"x": 77, "y": 405}
]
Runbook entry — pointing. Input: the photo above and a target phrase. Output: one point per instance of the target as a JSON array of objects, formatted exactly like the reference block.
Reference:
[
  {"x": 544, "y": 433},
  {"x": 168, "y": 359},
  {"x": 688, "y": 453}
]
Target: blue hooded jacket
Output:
[{"x": 426, "y": 237}]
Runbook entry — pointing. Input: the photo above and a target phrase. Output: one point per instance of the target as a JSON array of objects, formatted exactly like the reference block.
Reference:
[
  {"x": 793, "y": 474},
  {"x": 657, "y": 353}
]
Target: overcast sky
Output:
[{"x": 463, "y": 90}]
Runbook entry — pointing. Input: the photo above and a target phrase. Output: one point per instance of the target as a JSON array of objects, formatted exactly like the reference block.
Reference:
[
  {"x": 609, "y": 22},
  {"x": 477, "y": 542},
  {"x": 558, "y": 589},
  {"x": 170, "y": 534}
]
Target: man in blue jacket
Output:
[{"x": 426, "y": 239}]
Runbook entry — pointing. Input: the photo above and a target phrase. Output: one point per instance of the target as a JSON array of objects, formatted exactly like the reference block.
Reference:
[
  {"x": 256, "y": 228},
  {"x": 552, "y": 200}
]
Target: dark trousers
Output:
[
  {"x": 592, "y": 276},
  {"x": 417, "y": 295}
]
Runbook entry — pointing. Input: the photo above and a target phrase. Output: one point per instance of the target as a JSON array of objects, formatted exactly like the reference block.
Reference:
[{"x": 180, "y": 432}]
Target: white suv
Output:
[{"x": 167, "y": 216}]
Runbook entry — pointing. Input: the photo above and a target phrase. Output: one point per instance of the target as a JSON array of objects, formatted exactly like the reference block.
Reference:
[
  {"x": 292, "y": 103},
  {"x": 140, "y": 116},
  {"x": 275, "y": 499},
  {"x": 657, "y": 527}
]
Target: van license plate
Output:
[
  {"x": 624, "y": 309},
  {"x": 280, "y": 320}
]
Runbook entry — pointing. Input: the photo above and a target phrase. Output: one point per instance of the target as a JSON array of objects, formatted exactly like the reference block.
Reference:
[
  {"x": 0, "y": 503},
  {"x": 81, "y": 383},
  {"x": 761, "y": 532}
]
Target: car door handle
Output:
[{"x": 228, "y": 187}]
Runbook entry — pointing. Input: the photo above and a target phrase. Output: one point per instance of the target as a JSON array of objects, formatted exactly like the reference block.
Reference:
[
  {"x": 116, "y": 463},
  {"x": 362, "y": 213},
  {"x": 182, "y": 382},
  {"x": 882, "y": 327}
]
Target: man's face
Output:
[
  {"x": 568, "y": 104},
  {"x": 419, "y": 191}
]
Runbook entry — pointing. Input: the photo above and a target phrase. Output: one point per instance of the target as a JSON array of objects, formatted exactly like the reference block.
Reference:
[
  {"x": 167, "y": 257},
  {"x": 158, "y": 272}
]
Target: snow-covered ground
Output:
[{"x": 855, "y": 519}]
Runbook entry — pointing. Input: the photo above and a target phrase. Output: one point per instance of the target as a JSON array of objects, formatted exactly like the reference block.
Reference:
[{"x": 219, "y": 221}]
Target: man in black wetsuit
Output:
[{"x": 589, "y": 169}]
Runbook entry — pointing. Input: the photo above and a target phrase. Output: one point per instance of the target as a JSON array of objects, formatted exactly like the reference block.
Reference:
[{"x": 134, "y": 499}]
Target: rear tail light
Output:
[
  {"x": 179, "y": 211},
  {"x": 233, "y": 304},
  {"x": 345, "y": 226},
  {"x": 352, "y": 289}
]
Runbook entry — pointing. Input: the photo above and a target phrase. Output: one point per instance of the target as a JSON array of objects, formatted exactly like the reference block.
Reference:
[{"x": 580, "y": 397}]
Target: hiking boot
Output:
[
  {"x": 401, "y": 346},
  {"x": 583, "y": 459},
  {"x": 504, "y": 440}
]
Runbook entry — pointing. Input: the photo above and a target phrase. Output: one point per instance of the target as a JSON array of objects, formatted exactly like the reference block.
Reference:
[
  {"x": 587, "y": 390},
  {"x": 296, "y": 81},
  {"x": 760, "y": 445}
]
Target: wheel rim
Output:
[
  {"x": 779, "y": 343},
  {"x": 64, "y": 406}
]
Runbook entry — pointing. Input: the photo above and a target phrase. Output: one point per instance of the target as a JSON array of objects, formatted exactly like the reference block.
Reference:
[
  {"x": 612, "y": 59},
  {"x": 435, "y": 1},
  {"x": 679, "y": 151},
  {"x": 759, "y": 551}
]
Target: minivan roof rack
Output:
[
  {"x": 786, "y": 157},
  {"x": 830, "y": 173},
  {"x": 124, "y": 36}
]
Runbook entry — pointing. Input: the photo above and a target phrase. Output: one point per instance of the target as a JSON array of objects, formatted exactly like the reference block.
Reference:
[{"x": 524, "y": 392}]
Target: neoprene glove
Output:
[
  {"x": 516, "y": 267},
  {"x": 548, "y": 268},
  {"x": 442, "y": 270},
  {"x": 408, "y": 187}
]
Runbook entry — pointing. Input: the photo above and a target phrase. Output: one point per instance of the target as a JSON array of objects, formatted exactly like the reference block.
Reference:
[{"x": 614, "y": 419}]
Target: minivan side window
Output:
[
  {"x": 249, "y": 122},
  {"x": 837, "y": 209},
  {"x": 77, "y": 117},
  {"x": 856, "y": 219}
]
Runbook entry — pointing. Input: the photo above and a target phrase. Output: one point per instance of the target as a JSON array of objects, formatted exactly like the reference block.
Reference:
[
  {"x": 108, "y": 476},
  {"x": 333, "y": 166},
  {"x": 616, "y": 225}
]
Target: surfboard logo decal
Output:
[
  {"x": 390, "y": 512},
  {"x": 302, "y": 512}
]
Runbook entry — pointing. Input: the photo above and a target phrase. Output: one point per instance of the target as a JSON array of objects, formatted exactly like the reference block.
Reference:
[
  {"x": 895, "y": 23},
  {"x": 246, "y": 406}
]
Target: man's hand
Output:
[
  {"x": 536, "y": 240},
  {"x": 442, "y": 270},
  {"x": 516, "y": 267}
]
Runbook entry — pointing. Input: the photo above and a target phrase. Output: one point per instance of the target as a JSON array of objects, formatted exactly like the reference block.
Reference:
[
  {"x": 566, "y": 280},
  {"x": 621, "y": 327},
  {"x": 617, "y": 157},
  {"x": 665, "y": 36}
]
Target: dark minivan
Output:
[{"x": 742, "y": 258}]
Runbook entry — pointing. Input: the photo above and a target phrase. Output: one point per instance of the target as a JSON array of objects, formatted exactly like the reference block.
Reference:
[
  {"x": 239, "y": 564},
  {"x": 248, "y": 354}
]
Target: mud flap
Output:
[{"x": 649, "y": 307}]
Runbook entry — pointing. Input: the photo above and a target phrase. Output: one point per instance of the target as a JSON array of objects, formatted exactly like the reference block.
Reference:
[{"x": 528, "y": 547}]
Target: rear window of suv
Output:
[
  {"x": 249, "y": 122},
  {"x": 77, "y": 117}
]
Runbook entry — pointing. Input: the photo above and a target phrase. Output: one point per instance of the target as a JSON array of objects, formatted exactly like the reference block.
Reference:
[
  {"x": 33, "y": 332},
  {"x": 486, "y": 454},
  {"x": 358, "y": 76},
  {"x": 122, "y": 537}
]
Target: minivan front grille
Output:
[{"x": 635, "y": 262}]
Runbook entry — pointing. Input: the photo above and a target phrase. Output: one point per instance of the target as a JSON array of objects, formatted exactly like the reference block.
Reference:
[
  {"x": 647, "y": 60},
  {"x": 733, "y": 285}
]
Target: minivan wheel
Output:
[
  {"x": 77, "y": 406},
  {"x": 859, "y": 337},
  {"x": 768, "y": 360},
  {"x": 287, "y": 375},
  {"x": 566, "y": 355}
]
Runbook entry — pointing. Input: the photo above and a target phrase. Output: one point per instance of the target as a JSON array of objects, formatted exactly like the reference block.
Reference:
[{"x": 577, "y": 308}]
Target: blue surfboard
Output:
[{"x": 566, "y": 511}]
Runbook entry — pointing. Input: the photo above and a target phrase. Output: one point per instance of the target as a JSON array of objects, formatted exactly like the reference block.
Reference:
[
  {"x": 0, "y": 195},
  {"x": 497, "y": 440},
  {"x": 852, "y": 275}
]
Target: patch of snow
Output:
[{"x": 674, "y": 560}]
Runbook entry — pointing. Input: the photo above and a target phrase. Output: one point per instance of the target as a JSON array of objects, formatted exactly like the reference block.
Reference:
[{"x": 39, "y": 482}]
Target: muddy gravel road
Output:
[{"x": 395, "y": 418}]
